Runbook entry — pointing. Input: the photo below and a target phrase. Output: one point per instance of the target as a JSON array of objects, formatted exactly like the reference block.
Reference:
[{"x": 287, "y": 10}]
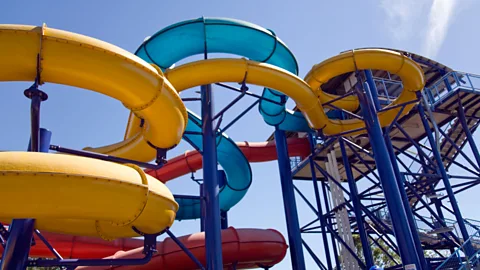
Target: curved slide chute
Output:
[
  {"x": 191, "y": 161},
  {"x": 150, "y": 206},
  {"x": 246, "y": 248},
  {"x": 249, "y": 248},
  {"x": 230, "y": 36},
  {"x": 232, "y": 160},
  {"x": 84, "y": 62},
  {"x": 306, "y": 94},
  {"x": 119, "y": 196}
]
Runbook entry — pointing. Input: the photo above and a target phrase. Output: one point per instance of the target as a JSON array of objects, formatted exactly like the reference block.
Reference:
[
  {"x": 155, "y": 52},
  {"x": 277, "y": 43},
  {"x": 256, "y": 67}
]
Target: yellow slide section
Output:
[
  {"x": 394, "y": 62},
  {"x": 83, "y": 196},
  {"x": 84, "y": 62},
  {"x": 308, "y": 101}
]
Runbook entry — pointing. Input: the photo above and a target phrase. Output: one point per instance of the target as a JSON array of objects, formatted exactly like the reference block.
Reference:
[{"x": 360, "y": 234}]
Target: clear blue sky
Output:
[{"x": 313, "y": 30}]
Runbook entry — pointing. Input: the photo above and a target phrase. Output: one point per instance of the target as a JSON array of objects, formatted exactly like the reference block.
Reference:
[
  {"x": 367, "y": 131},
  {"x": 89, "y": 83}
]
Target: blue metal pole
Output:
[
  {"x": 15, "y": 254},
  {"x": 406, "y": 204},
  {"x": 203, "y": 209},
  {"x": 399, "y": 178},
  {"x": 332, "y": 238},
  {"x": 367, "y": 251},
  {"x": 373, "y": 88},
  {"x": 222, "y": 181},
  {"x": 291, "y": 215},
  {"x": 446, "y": 180},
  {"x": 323, "y": 222},
  {"x": 210, "y": 180},
  {"x": 16, "y": 251},
  {"x": 393, "y": 198},
  {"x": 466, "y": 129}
]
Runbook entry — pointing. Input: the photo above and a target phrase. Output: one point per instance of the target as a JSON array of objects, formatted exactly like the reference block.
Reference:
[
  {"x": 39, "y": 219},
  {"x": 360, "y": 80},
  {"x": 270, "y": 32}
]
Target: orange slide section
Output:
[
  {"x": 191, "y": 161},
  {"x": 246, "y": 248}
]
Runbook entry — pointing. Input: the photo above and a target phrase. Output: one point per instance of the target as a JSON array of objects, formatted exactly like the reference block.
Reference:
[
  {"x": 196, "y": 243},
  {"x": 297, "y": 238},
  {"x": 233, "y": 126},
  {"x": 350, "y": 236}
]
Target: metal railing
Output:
[
  {"x": 294, "y": 162},
  {"x": 459, "y": 259},
  {"x": 450, "y": 82}
]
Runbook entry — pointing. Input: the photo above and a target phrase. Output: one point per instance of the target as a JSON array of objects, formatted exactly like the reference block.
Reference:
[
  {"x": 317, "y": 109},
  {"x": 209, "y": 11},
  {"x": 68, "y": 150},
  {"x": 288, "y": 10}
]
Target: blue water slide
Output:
[
  {"x": 233, "y": 162},
  {"x": 220, "y": 35}
]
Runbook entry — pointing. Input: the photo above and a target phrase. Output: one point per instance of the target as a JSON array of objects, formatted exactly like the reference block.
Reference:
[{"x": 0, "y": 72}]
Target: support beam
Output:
[
  {"x": 291, "y": 215},
  {"x": 466, "y": 129},
  {"x": 210, "y": 180},
  {"x": 387, "y": 178},
  {"x": 398, "y": 177},
  {"x": 15, "y": 254},
  {"x": 323, "y": 222}
]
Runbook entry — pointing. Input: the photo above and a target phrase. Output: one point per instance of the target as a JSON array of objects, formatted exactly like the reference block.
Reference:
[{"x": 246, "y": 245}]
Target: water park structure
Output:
[{"x": 376, "y": 136}]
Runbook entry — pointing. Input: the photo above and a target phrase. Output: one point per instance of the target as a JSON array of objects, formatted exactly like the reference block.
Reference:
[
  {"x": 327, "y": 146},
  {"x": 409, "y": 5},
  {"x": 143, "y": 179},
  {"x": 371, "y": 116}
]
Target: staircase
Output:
[
  {"x": 446, "y": 101},
  {"x": 459, "y": 260}
]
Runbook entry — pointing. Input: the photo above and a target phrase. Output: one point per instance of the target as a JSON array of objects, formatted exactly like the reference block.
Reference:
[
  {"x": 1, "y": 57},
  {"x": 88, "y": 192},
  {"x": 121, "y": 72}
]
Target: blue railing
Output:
[
  {"x": 384, "y": 91},
  {"x": 294, "y": 162},
  {"x": 450, "y": 82},
  {"x": 458, "y": 260}
]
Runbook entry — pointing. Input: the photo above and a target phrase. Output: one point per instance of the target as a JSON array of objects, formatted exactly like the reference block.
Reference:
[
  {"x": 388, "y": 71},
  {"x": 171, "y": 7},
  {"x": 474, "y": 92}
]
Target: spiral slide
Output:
[{"x": 122, "y": 196}]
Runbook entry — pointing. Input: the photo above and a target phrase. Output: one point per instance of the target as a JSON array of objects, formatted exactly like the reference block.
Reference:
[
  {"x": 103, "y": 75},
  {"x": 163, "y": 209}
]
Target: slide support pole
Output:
[
  {"x": 393, "y": 160},
  {"x": 210, "y": 180},
  {"x": 15, "y": 254},
  {"x": 291, "y": 215},
  {"x": 393, "y": 197},
  {"x": 203, "y": 210},
  {"x": 222, "y": 181}
]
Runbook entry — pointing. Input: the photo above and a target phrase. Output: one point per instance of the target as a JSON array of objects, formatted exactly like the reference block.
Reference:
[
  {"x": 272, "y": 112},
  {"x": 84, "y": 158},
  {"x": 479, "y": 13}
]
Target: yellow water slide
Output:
[
  {"x": 82, "y": 196},
  {"x": 77, "y": 195},
  {"x": 308, "y": 94}
]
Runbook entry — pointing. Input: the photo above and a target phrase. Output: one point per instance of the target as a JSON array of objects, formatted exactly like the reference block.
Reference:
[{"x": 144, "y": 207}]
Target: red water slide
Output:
[
  {"x": 246, "y": 247},
  {"x": 191, "y": 161}
]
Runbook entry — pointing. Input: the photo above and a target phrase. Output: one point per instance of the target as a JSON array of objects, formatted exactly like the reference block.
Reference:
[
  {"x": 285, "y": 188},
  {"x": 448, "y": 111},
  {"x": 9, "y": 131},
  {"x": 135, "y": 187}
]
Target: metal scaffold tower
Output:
[{"x": 426, "y": 157}]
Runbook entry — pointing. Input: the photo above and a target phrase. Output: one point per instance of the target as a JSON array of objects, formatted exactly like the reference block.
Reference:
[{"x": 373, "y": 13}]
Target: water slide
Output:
[
  {"x": 218, "y": 35},
  {"x": 120, "y": 196},
  {"x": 59, "y": 49}
]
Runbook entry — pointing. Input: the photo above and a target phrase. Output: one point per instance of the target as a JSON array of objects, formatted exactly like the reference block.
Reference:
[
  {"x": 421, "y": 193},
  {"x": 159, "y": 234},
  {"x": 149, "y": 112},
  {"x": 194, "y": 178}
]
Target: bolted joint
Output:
[
  {"x": 35, "y": 92},
  {"x": 161, "y": 157}
]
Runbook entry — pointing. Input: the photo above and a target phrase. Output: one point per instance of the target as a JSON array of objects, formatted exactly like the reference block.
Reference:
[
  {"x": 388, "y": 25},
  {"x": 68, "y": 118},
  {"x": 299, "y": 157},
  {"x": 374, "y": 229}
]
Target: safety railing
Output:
[
  {"x": 459, "y": 260},
  {"x": 387, "y": 89},
  {"x": 294, "y": 162},
  {"x": 451, "y": 82}
]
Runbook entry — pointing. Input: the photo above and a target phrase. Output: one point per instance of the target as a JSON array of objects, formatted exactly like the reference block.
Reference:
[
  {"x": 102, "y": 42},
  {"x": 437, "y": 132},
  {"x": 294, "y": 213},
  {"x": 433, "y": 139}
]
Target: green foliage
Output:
[{"x": 380, "y": 258}]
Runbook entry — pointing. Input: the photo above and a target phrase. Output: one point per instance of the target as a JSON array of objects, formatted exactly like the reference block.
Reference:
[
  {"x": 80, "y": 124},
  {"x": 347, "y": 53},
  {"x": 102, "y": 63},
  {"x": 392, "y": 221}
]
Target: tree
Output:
[{"x": 380, "y": 258}]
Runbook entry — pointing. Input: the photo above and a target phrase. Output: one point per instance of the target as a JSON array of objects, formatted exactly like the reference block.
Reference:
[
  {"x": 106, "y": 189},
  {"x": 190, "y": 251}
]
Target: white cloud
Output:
[
  {"x": 439, "y": 20},
  {"x": 405, "y": 20},
  {"x": 402, "y": 16}
]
